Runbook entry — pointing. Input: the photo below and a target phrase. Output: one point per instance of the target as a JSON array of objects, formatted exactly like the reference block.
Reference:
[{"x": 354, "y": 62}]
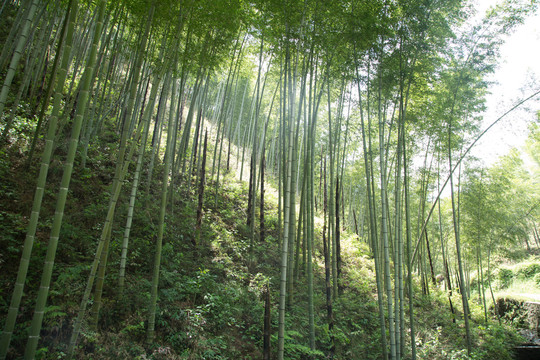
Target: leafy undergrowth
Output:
[
  {"x": 440, "y": 337},
  {"x": 210, "y": 293},
  {"x": 520, "y": 280}
]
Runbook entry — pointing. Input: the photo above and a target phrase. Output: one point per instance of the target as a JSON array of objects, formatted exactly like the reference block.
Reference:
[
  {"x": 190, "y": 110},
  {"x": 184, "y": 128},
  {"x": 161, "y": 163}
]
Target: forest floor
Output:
[{"x": 210, "y": 294}]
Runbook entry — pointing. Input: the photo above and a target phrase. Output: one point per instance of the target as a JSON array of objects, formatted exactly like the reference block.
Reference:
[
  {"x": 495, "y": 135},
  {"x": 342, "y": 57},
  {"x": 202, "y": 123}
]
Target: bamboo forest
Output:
[{"x": 265, "y": 179}]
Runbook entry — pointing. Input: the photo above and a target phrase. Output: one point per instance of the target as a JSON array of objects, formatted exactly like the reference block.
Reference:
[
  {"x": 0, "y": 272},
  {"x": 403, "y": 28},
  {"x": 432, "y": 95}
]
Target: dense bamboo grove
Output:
[{"x": 359, "y": 114}]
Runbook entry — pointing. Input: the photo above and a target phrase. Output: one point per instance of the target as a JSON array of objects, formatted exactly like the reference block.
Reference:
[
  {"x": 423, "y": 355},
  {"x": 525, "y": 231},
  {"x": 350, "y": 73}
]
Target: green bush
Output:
[
  {"x": 537, "y": 279},
  {"x": 295, "y": 348},
  {"x": 505, "y": 277},
  {"x": 528, "y": 271},
  {"x": 496, "y": 342}
]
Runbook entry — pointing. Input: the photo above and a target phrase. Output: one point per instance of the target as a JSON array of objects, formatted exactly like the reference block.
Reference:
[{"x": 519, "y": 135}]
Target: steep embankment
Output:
[{"x": 211, "y": 301}]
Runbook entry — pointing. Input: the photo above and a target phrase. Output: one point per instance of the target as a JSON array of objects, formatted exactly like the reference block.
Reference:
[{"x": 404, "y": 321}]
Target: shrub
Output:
[
  {"x": 528, "y": 271},
  {"x": 505, "y": 277}
]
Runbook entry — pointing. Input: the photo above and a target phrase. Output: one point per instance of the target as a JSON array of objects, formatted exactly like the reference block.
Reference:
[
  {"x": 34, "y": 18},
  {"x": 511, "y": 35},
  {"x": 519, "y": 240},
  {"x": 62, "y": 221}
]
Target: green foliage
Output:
[
  {"x": 505, "y": 277},
  {"x": 210, "y": 303},
  {"x": 357, "y": 331},
  {"x": 440, "y": 338},
  {"x": 537, "y": 279},
  {"x": 208, "y": 311},
  {"x": 522, "y": 272},
  {"x": 12, "y": 222},
  {"x": 512, "y": 311},
  {"x": 12, "y": 227},
  {"x": 528, "y": 271},
  {"x": 135, "y": 331},
  {"x": 52, "y": 315},
  {"x": 295, "y": 347},
  {"x": 20, "y": 134},
  {"x": 496, "y": 342}
]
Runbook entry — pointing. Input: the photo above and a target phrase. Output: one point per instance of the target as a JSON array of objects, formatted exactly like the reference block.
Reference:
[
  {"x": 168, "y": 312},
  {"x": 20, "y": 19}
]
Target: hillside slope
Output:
[{"x": 211, "y": 302}]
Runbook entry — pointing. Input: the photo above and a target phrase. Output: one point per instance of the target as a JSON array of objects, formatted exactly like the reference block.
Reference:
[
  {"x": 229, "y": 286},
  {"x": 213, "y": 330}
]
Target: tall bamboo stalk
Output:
[
  {"x": 41, "y": 181},
  {"x": 16, "y": 57},
  {"x": 86, "y": 85}
]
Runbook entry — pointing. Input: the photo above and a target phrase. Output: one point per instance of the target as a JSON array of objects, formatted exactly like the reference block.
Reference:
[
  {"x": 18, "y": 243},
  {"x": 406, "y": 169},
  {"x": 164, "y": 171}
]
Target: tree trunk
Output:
[
  {"x": 261, "y": 204},
  {"x": 201, "y": 192},
  {"x": 40, "y": 186},
  {"x": 150, "y": 333},
  {"x": 338, "y": 239},
  {"x": 17, "y": 54},
  {"x": 250, "y": 205},
  {"x": 430, "y": 260},
  {"x": 122, "y": 164},
  {"x": 267, "y": 328},
  {"x": 326, "y": 250},
  {"x": 374, "y": 244},
  {"x": 86, "y": 85}
]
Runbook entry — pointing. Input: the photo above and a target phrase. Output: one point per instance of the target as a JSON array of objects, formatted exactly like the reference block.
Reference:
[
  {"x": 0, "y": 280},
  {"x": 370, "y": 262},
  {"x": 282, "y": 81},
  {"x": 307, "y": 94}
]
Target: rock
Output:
[{"x": 533, "y": 315}]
